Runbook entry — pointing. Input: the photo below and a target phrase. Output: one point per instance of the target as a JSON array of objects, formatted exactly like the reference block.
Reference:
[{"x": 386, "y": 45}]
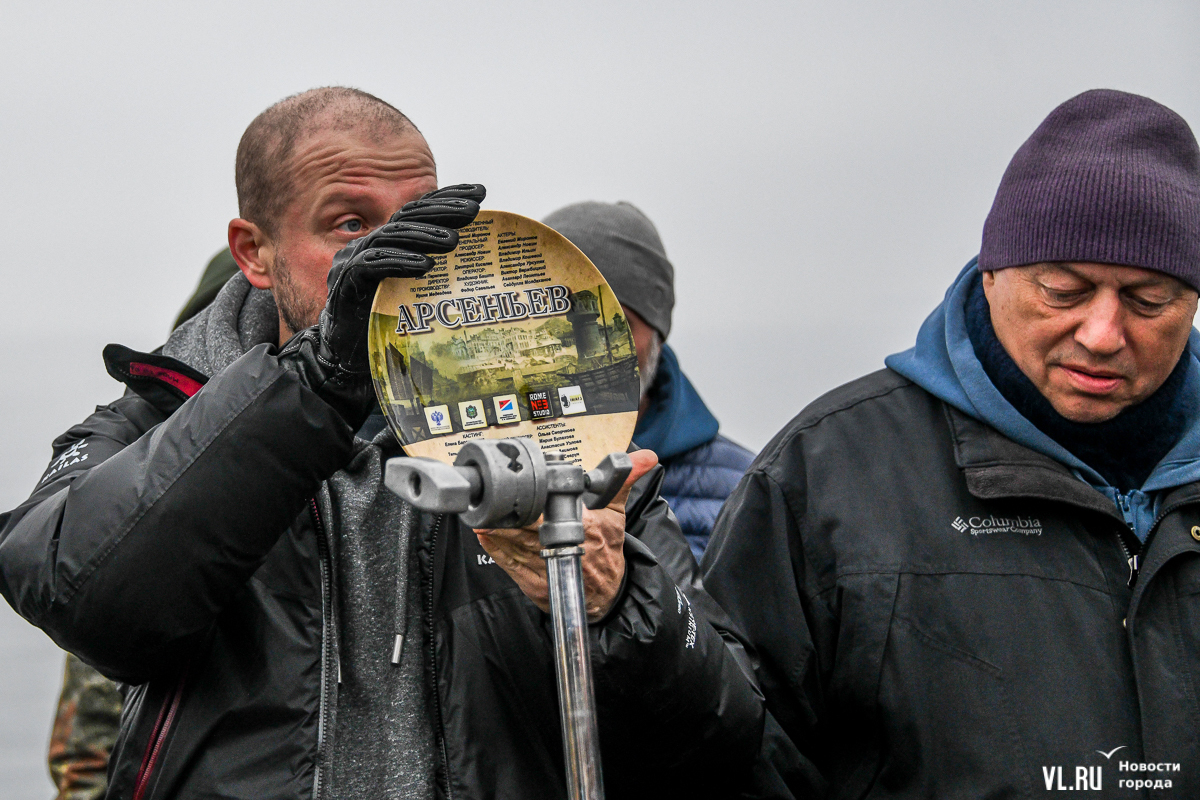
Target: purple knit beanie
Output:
[{"x": 1108, "y": 177}]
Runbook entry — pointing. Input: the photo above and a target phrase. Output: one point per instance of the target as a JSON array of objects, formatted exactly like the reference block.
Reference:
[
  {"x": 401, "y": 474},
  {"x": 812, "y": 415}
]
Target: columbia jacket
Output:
[
  {"x": 938, "y": 611},
  {"x": 180, "y": 542}
]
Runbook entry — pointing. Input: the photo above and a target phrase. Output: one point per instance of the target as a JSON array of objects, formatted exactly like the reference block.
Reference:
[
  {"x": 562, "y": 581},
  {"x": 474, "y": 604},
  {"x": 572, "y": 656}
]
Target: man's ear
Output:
[
  {"x": 253, "y": 251},
  {"x": 989, "y": 280}
]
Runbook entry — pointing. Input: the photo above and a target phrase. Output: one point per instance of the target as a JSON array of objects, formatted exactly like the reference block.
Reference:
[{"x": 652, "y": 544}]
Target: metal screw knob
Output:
[{"x": 606, "y": 479}]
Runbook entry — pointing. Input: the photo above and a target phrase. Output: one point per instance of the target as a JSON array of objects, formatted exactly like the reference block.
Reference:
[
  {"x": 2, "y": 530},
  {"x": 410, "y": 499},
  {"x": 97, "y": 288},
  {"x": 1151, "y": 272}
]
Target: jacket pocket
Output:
[{"x": 949, "y": 730}]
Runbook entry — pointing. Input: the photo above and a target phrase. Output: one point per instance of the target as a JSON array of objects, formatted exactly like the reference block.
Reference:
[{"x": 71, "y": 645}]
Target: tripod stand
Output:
[{"x": 509, "y": 483}]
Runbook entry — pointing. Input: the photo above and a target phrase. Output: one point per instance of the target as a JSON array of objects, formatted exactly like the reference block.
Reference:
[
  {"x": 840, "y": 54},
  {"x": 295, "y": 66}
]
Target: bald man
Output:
[{"x": 220, "y": 539}]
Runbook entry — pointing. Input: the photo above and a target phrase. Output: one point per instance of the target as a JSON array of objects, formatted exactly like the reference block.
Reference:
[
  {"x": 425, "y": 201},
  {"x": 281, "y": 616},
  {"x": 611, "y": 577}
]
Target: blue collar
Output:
[{"x": 943, "y": 362}]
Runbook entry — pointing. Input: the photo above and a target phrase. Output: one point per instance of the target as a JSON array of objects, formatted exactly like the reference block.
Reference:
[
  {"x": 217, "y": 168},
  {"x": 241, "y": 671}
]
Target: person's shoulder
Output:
[
  {"x": 718, "y": 451},
  {"x": 878, "y": 386},
  {"x": 707, "y": 472},
  {"x": 873, "y": 404},
  {"x": 725, "y": 452}
]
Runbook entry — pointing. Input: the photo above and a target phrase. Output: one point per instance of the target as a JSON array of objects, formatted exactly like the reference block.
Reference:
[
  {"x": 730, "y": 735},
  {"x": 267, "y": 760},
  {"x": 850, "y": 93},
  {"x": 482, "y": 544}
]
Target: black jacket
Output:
[
  {"x": 177, "y": 546},
  {"x": 937, "y": 611}
]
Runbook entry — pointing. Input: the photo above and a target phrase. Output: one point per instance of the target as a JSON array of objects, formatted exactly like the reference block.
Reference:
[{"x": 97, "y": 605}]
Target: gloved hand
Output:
[{"x": 332, "y": 355}]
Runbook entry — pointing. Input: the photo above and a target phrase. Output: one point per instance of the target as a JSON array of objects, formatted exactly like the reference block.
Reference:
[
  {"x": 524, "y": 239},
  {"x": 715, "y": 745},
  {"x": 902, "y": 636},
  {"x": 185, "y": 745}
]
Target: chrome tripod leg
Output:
[{"x": 576, "y": 701}]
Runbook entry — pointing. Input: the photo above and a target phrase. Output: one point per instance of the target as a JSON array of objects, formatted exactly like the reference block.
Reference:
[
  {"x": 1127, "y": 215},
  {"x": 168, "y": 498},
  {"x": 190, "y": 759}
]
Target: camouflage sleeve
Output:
[{"x": 85, "y": 729}]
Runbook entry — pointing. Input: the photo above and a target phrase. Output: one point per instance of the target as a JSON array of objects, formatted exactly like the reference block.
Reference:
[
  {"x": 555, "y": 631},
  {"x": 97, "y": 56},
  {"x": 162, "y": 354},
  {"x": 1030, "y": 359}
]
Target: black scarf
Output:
[{"x": 1124, "y": 449}]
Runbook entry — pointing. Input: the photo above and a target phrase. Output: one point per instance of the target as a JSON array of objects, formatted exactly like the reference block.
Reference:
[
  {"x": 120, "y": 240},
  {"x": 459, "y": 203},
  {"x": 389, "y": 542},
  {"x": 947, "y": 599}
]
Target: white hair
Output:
[{"x": 646, "y": 375}]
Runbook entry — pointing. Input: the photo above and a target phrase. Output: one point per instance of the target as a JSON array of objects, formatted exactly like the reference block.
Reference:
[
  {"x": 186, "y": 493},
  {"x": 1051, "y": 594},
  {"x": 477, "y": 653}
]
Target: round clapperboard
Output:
[{"x": 514, "y": 334}]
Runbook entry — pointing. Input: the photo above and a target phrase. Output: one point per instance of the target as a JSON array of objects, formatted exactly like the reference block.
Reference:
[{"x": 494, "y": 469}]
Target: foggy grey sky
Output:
[{"x": 818, "y": 172}]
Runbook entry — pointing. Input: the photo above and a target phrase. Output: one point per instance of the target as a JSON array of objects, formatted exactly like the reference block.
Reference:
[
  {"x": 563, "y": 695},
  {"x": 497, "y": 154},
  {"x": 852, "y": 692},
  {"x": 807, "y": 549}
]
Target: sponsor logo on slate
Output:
[
  {"x": 506, "y": 409},
  {"x": 470, "y": 413},
  {"x": 539, "y": 405},
  {"x": 987, "y": 525},
  {"x": 571, "y": 400},
  {"x": 439, "y": 420}
]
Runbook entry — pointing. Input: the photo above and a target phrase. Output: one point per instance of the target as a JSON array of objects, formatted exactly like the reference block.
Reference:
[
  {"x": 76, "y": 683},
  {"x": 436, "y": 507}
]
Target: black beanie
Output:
[{"x": 623, "y": 244}]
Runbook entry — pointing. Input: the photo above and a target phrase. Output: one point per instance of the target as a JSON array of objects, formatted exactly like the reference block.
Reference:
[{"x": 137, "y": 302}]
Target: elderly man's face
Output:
[
  {"x": 1093, "y": 338},
  {"x": 347, "y": 183}
]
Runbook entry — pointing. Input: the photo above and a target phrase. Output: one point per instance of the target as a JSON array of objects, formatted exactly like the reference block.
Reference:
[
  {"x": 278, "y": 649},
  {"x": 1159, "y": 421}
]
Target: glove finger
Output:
[
  {"x": 352, "y": 289},
  {"x": 358, "y": 279},
  {"x": 450, "y": 212},
  {"x": 382, "y": 262},
  {"x": 415, "y": 236},
  {"x": 348, "y": 252},
  {"x": 464, "y": 191}
]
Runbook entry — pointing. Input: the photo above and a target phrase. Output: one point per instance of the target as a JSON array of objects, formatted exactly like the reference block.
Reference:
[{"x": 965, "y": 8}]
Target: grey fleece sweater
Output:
[{"x": 383, "y": 742}]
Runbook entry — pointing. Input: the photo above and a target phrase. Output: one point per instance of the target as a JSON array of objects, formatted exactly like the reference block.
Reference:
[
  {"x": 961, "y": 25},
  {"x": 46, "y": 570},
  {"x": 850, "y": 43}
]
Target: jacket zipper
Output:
[
  {"x": 325, "y": 710},
  {"x": 1153, "y": 527},
  {"x": 162, "y": 726},
  {"x": 437, "y": 703},
  {"x": 1131, "y": 558}
]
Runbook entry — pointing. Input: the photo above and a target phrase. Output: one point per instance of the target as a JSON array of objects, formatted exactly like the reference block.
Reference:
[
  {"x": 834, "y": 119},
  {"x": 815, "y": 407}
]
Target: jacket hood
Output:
[
  {"x": 943, "y": 362},
  {"x": 677, "y": 419}
]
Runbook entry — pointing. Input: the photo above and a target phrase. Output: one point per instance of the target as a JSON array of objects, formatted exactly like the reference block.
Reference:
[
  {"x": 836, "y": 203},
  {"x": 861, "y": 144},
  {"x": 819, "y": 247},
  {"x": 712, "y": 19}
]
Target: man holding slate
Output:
[{"x": 219, "y": 538}]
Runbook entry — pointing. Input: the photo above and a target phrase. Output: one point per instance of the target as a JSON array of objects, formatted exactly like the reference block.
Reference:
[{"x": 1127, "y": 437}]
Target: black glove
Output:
[{"x": 332, "y": 355}]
